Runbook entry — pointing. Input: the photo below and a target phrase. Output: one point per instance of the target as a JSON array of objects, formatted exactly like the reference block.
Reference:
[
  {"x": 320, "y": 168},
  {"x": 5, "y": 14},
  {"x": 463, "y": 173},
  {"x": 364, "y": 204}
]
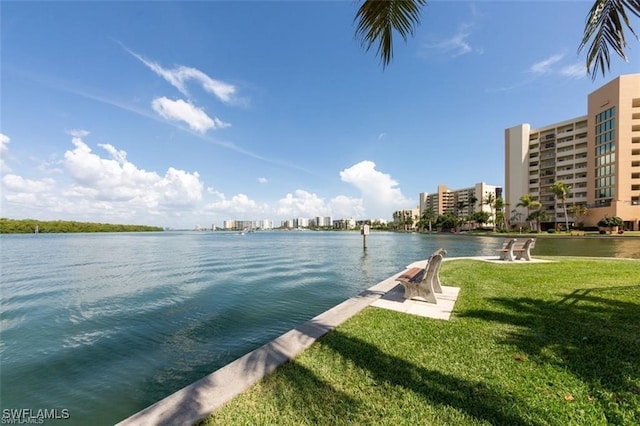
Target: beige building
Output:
[
  {"x": 407, "y": 219},
  {"x": 596, "y": 155},
  {"x": 459, "y": 201}
]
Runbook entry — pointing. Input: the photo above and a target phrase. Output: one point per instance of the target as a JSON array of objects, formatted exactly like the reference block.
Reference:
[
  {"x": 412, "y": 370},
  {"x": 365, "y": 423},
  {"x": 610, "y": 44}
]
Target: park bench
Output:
[
  {"x": 506, "y": 252},
  {"x": 424, "y": 282},
  {"x": 523, "y": 250}
]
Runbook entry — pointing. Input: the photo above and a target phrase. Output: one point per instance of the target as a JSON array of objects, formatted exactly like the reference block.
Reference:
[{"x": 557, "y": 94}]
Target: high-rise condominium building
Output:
[
  {"x": 596, "y": 155},
  {"x": 460, "y": 201}
]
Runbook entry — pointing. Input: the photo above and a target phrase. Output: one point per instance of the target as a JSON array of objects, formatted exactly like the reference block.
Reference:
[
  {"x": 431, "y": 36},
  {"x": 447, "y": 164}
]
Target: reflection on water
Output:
[
  {"x": 624, "y": 247},
  {"x": 421, "y": 245}
]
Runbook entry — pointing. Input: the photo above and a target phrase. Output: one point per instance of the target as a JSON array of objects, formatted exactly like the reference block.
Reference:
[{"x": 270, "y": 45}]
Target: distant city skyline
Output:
[{"x": 269, "y": 109}]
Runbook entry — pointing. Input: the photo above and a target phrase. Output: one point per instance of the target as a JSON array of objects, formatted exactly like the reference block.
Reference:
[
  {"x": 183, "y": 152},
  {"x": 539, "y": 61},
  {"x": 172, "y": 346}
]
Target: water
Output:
[{"x": 104, "y": 325}]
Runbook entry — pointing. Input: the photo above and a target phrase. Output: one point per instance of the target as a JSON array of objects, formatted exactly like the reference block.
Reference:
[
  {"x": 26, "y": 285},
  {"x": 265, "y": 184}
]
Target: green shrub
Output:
[{"x": 610, "y": 222}]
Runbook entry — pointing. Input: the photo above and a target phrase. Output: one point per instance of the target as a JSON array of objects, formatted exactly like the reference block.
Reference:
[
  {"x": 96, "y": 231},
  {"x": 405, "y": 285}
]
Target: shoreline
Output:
[{"x": 199, "y": 399}]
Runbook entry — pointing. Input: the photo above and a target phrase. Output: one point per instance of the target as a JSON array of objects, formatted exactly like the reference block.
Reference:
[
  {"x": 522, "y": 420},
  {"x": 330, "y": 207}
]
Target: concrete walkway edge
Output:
[{"x": 201, "y": 398}]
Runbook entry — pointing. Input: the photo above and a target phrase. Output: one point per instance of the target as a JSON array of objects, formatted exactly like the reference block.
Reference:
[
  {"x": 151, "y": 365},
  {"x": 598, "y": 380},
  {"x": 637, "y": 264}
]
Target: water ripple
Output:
[{"x": 106, "y": 324}]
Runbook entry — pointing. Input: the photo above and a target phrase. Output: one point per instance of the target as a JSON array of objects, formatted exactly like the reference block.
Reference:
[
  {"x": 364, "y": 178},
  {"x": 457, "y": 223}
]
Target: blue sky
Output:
[{"x": 190, "y": 113}]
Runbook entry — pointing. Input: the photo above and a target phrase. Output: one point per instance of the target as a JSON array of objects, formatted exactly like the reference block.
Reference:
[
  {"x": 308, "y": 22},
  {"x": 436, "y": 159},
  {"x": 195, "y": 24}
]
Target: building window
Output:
[{"x": 605, "y": 146}]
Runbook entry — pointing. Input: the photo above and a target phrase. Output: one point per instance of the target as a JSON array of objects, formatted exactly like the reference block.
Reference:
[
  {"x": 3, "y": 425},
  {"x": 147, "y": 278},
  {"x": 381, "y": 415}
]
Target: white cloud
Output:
[
  {"x": 116, "y": 179},
  {"x": 306, "y": 204},
  {"x": 15, "y": 183},
  {"x": 238, "y": 204},
  {"x": 344, "y": 207},
  {"x": 177, "y": 77},
  {"x": 4, "y": 149},
  {"x": 456, "y": 45},
  {"x": 574, "y": 71},
  {"x": 78, "y": 133},
  {"x": 180, "y": 188},
  {"x": 302, "y": 204},
  {"x": 380, "y": 193},
  {"x": 545, "y": 66},
  {"x": 106, "y": 186},
  {"x": 181, "y": 110}
]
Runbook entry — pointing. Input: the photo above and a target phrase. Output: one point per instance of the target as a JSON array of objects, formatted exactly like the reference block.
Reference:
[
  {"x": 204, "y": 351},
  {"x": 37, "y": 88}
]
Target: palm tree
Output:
[
  {"x": 480, "y": 217},
  {"x": 377, "y": 20},
  {"x": 499, "y": 204},
  {"x": 472, "y": 202},
  {"x": 515, "y": 218},
  {"x": 408, "y": 221},
  {"x": 538, "y": 216},
  {"x": 490, "y": 200},
  {"x": 604, "y": 28},
  {"x": 561, "y": 191},
  {"x": 448, "y": 221},
  {"x": 428, "y": 216},
  {"x": 528, "y": 202},
  {"x": 460, "y": 205},
  {"x": 579, "y": 211}
]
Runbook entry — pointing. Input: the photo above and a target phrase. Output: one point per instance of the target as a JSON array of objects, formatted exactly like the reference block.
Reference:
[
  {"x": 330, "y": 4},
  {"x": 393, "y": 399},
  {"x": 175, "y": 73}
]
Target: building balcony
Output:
[{"x": 581, "y": 146}]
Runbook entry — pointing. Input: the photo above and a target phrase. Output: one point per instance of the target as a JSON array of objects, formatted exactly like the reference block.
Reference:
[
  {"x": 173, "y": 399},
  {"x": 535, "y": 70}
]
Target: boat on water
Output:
[{"x": 245, "y": 231}]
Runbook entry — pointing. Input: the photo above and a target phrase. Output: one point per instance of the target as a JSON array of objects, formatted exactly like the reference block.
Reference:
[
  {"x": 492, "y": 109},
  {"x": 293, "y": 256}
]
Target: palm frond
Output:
[
  {"x": 379, "y": 19},
  {"x": 604, "y": 27}
]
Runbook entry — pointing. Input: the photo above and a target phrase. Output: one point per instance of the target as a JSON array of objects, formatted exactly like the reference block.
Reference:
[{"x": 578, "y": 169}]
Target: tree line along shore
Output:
[{"x": 31, "y": 226}]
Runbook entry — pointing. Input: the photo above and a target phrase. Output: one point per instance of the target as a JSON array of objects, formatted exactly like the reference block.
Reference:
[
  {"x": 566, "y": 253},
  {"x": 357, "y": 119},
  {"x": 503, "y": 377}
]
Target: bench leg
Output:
[
  {"x": 412, "y": 291},
  {"x": 437, "y": 288}
]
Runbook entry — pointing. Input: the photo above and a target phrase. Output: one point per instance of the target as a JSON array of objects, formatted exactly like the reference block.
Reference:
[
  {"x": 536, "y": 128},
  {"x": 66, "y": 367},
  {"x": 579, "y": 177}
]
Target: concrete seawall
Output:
[{"x": 199, "y": 399}]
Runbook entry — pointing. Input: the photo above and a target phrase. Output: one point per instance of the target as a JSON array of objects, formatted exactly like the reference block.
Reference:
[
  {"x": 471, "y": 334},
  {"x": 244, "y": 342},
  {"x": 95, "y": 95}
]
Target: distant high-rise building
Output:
[
  {"x": 264, "y": 224},
  {"x": 462, "y": 202},
  {"x": 322, "y": 221}
]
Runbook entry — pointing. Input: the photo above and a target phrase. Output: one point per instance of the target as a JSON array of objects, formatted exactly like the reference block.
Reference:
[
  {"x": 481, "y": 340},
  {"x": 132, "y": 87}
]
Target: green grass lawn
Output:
[{"x": 528, "y": 344}]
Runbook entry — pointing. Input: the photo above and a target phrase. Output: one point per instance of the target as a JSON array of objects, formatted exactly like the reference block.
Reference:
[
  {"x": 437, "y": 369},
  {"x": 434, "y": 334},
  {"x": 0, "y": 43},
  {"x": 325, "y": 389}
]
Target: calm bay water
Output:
[{"x": 104, "y": 325}]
